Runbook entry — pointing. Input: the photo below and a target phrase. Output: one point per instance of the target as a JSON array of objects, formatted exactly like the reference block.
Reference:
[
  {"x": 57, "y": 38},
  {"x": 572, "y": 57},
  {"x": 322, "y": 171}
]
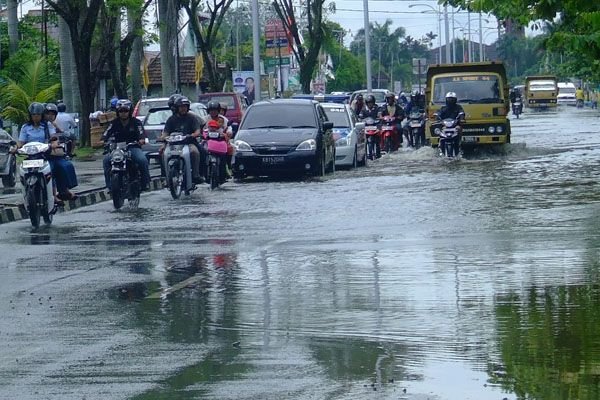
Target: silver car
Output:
[{"x": 349, "y": 135}]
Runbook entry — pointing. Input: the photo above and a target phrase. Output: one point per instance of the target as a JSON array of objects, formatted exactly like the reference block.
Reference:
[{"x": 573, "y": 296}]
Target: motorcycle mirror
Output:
[{"x": 328, "y": 125}]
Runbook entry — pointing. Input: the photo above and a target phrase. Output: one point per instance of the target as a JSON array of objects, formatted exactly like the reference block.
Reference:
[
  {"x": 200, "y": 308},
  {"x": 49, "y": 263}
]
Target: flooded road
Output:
[{"x": 413, "y": 278}]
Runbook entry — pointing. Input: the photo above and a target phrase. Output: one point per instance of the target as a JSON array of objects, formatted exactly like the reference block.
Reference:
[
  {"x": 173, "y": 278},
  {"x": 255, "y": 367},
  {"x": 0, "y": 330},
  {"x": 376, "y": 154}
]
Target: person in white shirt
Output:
[{"x": 64, "y": 121}]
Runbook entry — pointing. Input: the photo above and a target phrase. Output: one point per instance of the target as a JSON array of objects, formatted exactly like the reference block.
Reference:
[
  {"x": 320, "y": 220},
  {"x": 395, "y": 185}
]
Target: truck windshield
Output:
[
  {"x": 541, "y": 85},
  {"x": 469, "y": 89}
]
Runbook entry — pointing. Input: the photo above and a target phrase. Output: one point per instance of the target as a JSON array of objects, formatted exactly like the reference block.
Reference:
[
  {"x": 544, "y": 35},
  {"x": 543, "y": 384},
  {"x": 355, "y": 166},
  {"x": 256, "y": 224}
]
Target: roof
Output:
[{"x": 187, "y": 73}]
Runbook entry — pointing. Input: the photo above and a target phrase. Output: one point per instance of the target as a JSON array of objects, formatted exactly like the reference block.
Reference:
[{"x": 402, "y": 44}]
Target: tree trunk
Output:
[
  {"x": 13, "y": 25},
  {"x": 135, "y": 61},
  {"x": 168, "y": 15},
  {"x": 66, "y": 64}
]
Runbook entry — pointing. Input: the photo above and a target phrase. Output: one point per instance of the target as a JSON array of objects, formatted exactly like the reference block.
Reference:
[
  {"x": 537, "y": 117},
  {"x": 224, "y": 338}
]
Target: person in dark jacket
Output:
[
  {"x": 452, "y": 109},
  {"x": 393, "y": 109}
]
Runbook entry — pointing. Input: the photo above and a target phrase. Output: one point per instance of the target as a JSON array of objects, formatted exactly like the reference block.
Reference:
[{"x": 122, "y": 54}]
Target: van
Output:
[
  {"x": 482, "y": 91},
  {"x": 566, "y": 94}
]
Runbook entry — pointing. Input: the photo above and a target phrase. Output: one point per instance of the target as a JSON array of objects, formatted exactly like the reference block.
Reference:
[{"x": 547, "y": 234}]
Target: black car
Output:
[{"x": 289, "y": 136}]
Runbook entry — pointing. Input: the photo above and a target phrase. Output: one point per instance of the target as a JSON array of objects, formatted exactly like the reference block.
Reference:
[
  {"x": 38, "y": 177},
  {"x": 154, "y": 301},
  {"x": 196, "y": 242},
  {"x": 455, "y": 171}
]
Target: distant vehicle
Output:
[
  {"x": 378, "y": 93},
  {"x": 566, "y": 93},
  {"x": 325, "y": 98},
  {"x": 349, "y": 135},
  {"x": 541, "y": 91},
  {"x": 143, "y": 106},
  {"x": 284, "y": 136},
  {"x": 236, "y": 104}
]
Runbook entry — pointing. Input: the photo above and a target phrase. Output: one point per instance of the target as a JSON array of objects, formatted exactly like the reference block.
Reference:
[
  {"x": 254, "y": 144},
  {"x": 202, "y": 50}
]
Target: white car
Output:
[
  {"x": 349, "y": 135},
  {"x": 566, "y": 94}
]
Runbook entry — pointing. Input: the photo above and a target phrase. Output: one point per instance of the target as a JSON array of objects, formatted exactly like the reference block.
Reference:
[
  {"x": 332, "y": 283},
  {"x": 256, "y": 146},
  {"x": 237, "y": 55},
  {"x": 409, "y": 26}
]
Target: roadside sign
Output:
[
  {"x": 419, "y": 66},
  {"x": 274, "y": 62}
]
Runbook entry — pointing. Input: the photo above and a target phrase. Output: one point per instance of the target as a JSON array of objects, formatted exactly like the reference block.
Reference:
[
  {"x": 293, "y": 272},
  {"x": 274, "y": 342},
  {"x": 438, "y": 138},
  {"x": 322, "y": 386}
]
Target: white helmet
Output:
[{"x": 451, "y": 94}]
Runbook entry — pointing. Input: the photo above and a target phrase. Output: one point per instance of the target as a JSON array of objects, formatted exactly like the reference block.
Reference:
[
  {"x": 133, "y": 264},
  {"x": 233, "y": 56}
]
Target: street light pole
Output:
[
  {"x": 439, "y": 17},
  {"x": 256, "y": 50},
  {"x": 453, "y": 40},
  {"x": 367, "y": 45},
  {"x": 480, "y": 39},
  {"x": 447, "y": 33},
  {"x": 379, "y": 70}
]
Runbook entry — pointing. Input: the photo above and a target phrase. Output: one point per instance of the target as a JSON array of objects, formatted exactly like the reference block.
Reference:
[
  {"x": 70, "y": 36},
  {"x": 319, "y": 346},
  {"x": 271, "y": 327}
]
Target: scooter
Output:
[
  {"x": 517, "y": 107},
  {"x": 416, "y": 129},
  {"x": 216, "y": 146},
  {"x": 178, "y": 165},
  {"x": 8, "y": 163},
  {"x": 389, "y": 133},
  {"x": 373, "y": 134},
  {"x": 125, "y": 177},
  {"x": 449, "y": 132},
  {"x": 36, "y": 177}
]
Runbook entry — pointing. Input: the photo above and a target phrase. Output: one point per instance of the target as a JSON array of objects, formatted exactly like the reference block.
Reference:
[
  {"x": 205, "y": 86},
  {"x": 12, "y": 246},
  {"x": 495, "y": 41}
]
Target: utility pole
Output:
[
  {"x": 256, "y": 50},
  {"x": 447, "y": 33},
  {"x": 367, "y": 45},
  {"x": 379, "y": 70},
  {"x": 237, "y": 36}
]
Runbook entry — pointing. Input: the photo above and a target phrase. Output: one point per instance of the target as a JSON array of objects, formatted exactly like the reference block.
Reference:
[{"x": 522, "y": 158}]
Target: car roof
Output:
[
  {"x": 285, "y": 101},
  {"x": 335, "y": 105}
]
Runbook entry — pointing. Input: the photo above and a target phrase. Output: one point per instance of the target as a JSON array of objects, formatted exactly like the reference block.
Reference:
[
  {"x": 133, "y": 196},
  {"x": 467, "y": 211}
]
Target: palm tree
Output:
[{"x": 32, "y": 85}]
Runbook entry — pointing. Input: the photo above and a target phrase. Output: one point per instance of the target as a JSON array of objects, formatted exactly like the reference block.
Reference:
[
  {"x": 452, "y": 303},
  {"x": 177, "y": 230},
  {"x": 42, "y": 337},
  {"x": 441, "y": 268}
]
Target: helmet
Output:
[
  {"x": 171, "y": 102},
  {"x": 51, "y": 107},
  {"x": 182, "y": 101},
  {"x": 451, "y": 98},
  {"x": 370, "y": 99},
  {"x": 123, "y": 104},
  {"x": 213, "y": 105},
  {"x": 415, "y": 93},
  {"x": 213, "y": 124},
  {"x": 62, "y": 107},
  {"x": 113, "y": 102},
  {"x": 36, "y": 108},
  {"x": 359, "y": 97},
  {"x": 390, "y": 95}
]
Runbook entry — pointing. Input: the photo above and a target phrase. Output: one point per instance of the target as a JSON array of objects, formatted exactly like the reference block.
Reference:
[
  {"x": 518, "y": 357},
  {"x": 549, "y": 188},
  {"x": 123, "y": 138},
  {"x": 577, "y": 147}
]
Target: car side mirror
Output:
[
  {"x": 327, "y": 125},
  {"x": 360, "y": 126},
  {"x": 147, "y": 140}
]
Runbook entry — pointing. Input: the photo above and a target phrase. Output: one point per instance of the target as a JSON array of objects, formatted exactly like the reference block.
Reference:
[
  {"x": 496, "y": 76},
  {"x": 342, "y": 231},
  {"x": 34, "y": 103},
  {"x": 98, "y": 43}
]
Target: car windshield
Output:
[
  {"x": 280, "y": 116},
  {"x": 222, "y": 99},
  {"x": 338, "y": 116},
  {"x": 468, "y": 88},
  {"x": 566, "y": 90},
  {"x": 146, "y": 105},
  {"x": 542, "y": 85},
  {"x": 158, "y": 117}
]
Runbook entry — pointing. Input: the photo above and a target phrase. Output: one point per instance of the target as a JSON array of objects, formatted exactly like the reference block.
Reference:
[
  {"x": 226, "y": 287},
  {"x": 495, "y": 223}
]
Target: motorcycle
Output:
[
  {"x": 389, "y": 133},
  {"x": 517, "y": 107},
  {"x": 36, "y": 177},
  {"x": 178, "y": 165},
  {"x": 216, "y": 146},
  {"x": 579, "y": 103},
  {"x": 125, "y": 177},
  {"x": 8, "y": 162},
  {"x": 449, "y": 132},
  {"x": 416, "y": 129},
  {"x": 373, "y": 138}
]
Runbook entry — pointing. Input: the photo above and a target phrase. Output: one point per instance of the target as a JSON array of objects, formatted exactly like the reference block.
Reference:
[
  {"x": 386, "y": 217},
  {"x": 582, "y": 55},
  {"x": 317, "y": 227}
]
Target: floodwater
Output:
[{"x": 413, "y": 278}]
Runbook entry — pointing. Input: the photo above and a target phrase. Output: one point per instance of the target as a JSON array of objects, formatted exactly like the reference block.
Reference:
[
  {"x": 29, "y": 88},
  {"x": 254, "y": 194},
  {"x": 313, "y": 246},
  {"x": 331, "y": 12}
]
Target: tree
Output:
[
  {"x": 81, "y": 17},
  {"x": 32, "y": 83},
  {"x": 305, "y": 45},
  {"x": 13, "y": 22},
  {"x": 206, "y": 36},
  {"x": 67, "y": 68}
]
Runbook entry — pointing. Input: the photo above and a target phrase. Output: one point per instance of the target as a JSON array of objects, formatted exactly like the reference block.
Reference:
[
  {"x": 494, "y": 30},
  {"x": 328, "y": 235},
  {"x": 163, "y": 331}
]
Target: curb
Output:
[{"x": 86, "y": 198}]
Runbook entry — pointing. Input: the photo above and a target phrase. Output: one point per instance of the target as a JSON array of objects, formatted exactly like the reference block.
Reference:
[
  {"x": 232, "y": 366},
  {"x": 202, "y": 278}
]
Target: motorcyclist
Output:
[
  {"x": 415, "y": 104},
  {"x": 215, "y": 110},
  {"x": 358, "y": 104},
  {"x": 39, "y": 130},
  {"x": 452, "y": 110},
  {"x": 370, "y": 109},
  {"x": 127, "y": 129},
  {"x": 402, "y": 100},
  {"x": 579, "y": 96},
  {"x": 392, "y": 109},
  {"x": 65, "y": 121},
  {"x": 188, "y": 124}
]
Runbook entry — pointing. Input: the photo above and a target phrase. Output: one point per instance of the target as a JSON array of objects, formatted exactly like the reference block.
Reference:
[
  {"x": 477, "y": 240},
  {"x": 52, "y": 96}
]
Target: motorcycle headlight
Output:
[
  {"x": 341, "y": 142},
  {"x": 117, "y": 156},
  {"x": 491, "y": 129},
  {"x": 240, "y": 145},
  {"x": 310, "y": 144},
  {"x": 437, "y": 131}
]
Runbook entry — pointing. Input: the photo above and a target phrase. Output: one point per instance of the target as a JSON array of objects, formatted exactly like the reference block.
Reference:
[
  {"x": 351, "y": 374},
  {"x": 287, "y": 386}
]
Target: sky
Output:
[{"x": 418, "y": 17}]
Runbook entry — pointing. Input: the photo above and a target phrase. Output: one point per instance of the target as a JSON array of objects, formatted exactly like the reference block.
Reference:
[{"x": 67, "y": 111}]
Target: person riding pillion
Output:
[
  {"x": 187, "y": 124},
  {"x": 127, "y": 129},
  {"x": 215, "y": 112}
]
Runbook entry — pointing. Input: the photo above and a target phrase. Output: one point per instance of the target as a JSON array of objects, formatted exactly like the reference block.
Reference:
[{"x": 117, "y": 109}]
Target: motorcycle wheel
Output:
[
  {"x": 46, "y": 215},
  {"x": 115, "y": 189},
  {"x": 388, "y": 144},
  {"x": 214, "y": 175},
  {"x": 175, "y": 180},
  {"x": 33, "y": 208},
  {"x": 10, "y": 180},
  {"x": 134, "y": 193}
]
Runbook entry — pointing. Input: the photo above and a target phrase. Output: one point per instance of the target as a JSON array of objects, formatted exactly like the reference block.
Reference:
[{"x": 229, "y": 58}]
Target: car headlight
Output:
[
  {"x": 341, "y": 142},
  {"x": 491, "y": 129},
  {"x": 310, "y": 144},
  {"x": 240, "y": 145},
  {"x": 499, "y": 129}
]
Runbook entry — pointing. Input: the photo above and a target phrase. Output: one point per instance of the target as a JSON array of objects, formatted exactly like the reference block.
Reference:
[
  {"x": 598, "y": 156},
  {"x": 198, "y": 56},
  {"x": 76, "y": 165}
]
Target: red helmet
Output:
[{"x": 213, "y": 124}]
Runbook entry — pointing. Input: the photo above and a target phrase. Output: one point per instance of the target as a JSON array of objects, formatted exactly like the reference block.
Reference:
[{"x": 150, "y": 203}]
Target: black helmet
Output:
[
  {"x": 171, "y": 102},
  {"x": 51, "y": 107},
  {"x": 182, "y": 101},
  {"x": 123, "y": 105},
  {"x": 359, "y": 97},
  {"x": 370, "y": 99},
  {"x": 451, "y": 98},
  {"x": 213, "y": 105},
  {"x": 390, "y": 96},
  {"x": 36, "y": 108},
  {"x": 62, "y": 107}
]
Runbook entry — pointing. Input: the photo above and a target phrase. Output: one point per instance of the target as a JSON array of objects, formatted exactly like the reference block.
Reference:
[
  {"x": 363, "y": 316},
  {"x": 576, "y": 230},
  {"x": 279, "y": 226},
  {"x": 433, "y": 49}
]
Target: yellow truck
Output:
[
  {"x": 482, "y": 91},
  {"x": 541, "y": 91}
]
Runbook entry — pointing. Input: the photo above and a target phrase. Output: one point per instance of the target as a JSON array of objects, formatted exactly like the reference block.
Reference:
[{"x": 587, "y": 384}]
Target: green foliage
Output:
[{"x": 32, "y": 83}]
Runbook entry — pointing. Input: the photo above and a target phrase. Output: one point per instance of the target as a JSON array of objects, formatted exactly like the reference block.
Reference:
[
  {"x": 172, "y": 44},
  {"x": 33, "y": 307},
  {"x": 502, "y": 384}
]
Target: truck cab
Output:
[
  {"x": 482, "y": 91},
  {"x": 541, "y": 91}
]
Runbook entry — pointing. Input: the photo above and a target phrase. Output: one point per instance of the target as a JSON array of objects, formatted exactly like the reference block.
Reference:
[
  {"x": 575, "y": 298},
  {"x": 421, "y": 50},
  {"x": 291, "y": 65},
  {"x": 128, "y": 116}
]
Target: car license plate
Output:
[
  {"x": 273, "y": 160},
  {"x": 470, "y": 139},
  {"x": 33, "y": 163}
]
